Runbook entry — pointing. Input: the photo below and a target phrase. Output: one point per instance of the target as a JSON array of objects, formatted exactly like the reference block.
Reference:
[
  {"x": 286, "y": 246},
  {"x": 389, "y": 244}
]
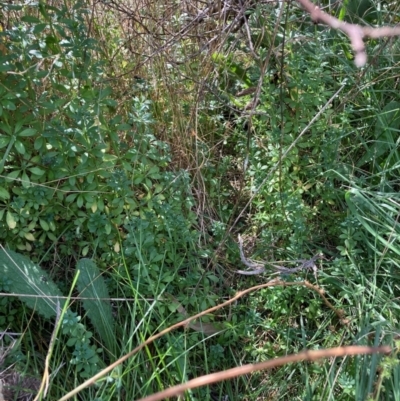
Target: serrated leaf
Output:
[{"x": 10, "y": 220}]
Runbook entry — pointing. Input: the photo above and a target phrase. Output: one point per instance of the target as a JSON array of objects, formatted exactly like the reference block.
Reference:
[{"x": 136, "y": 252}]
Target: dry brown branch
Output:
[
  {"x": 258, "y": 268},
  {"x": 356, "y": 33},
  {"x": 246, "y": 369},
  {"x": 188, "y": 321}
]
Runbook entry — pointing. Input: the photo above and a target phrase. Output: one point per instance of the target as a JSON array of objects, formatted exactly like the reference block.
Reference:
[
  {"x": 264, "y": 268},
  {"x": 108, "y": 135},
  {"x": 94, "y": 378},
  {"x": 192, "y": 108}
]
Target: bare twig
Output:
[
  {"x": 356, "y": 33},
  {"x": 246, "y": 369}
]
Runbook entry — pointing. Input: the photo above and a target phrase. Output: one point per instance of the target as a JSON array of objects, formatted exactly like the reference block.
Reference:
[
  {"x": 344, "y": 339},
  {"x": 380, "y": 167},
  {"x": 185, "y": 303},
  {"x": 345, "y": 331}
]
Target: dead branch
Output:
[
  {"x": 258, "y": 268},
  {"x": 356, "y": 33},
  {"x": 247, "y": 369}
]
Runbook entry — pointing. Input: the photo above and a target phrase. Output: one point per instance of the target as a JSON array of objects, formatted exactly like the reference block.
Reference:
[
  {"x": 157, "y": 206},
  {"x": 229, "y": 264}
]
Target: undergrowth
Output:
[{"x": 127, "y": 171}]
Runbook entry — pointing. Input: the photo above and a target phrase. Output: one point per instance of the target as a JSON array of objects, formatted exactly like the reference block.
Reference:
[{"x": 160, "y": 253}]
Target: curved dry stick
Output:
[
  {"x": 356, "y": 33},
  {"x": 187, "y": 321},
  {"x": 246, "y": 369}
]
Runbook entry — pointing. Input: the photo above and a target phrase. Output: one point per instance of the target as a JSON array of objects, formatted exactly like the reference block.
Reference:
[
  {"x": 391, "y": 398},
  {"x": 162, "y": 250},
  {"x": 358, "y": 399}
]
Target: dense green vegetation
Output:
[{"x": 136, "y": 144}]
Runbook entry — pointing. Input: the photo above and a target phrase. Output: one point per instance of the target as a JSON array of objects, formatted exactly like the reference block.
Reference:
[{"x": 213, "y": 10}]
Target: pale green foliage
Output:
[{"x": 26, "y": 278}]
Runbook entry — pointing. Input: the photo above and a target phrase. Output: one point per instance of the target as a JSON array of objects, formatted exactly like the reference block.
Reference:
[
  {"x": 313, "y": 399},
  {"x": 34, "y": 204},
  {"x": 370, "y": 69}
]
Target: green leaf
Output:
[
  {"x": 6, "y": 128},
  {"x": 37, "y": 53},
  {"x": 20, "y": 147},
  {"x": 30, "y": 18},
  {"x": 79, "y": 201},
  {"x": 29, "y": 237},
  {"x": 26, "y": 182},
  {"x": 4, "y": 193},
  {"x": 10, "y": 219},
  {"x": 39, "y": 28},
  {"x": 38, "y": 143},
  {"x": 91, "y": 285},
  {"x": 13, "y": 175},
  {"x": 4, "y": 141},
  {"x": 27, "y": 278},
  {"x": 36, "y": 171},
  {"x": 44, "y": 225},
  {"x": 8, "y": 104},
  {"x": 71, "y": 197},
  {"x": 27, "y": 132}
]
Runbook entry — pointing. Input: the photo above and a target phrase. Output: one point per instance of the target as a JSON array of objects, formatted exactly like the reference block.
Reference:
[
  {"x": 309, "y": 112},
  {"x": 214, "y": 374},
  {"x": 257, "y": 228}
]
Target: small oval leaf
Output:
[
  {"x": 20, "y": 147},
  {"x": 10, "y": 219},
  {"x": 27, "y": 132}
]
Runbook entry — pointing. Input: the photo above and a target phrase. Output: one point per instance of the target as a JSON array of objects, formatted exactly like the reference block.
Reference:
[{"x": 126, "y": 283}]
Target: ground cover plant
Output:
[{"x": 137, "y": 140}]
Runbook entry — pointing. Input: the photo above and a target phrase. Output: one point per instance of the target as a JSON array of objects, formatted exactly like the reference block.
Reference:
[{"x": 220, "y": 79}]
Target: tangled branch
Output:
[
  {"x": 356, "y": 33},
  {"x": 258, "y": 268}
]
